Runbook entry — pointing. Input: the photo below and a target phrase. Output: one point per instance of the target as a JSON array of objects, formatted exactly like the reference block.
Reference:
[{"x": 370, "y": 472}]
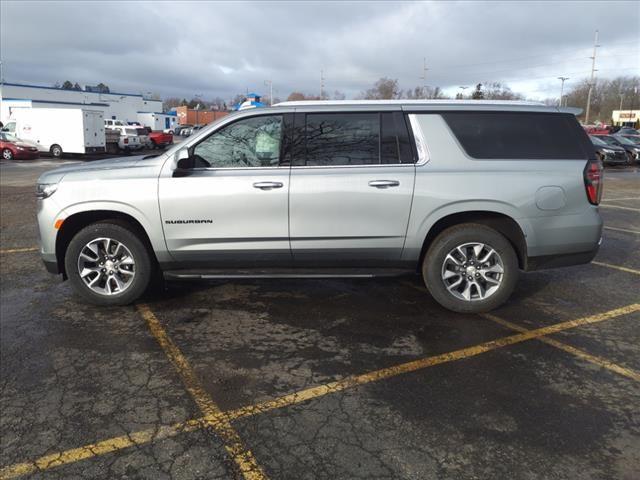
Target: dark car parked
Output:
[
  {"x": 632, "y": 149},
  {"x": 609, "y": 154}
]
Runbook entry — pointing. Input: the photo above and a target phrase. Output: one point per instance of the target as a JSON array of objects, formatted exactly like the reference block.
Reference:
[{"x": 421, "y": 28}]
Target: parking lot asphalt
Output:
[{"x": 322, "y": 379}]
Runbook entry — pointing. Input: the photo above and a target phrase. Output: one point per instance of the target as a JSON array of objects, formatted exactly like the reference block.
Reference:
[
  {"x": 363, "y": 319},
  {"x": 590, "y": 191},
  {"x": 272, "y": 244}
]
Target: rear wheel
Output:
[
  {"x": 108, "y": 264},
  {"x": 7, "y": 154},
  {"x": 56, "y": 151},
  {"x": 470, "y": 268}
]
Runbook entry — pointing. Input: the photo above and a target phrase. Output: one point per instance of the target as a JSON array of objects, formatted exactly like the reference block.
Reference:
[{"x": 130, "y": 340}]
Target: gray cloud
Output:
[{"x": 220, "y": 49}]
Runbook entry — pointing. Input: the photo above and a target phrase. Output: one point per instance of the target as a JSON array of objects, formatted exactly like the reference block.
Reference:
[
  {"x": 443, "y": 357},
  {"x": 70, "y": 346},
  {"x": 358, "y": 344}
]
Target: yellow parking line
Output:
[
  {"x": 602, "y": 362},
  {"x": 100, "y": 448},
  {"x": 356, "y": 380},
  {"x": 617, "y": 267},
  {"x": 616, "y": 229},
  {"x": 19, "y": 250},
  {"x": 619, "y": 199},
  {"x": 242, "y": 456},
  {"x": 619, "y": 207},
  {"x": 217, "y": 418}
]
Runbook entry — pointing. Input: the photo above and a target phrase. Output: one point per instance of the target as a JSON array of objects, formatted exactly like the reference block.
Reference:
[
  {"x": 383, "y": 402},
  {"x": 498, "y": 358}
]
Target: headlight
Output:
[
  {"x": 606, "y": 150},
  {"x": 45, "y": 190},
  {"x": 20, "y": 147}
]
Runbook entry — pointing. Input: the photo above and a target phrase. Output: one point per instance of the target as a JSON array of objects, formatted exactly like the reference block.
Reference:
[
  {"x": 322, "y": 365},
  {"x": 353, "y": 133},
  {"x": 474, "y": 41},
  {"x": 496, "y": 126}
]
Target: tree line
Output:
[{"x": 607, "y": 95}]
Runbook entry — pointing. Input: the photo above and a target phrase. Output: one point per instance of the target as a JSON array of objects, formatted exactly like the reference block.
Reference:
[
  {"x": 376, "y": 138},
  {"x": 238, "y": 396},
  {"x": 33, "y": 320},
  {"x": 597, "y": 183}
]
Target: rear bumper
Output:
[
  {"x": 95, "y": 149},
  {"x": 562, "y": 260}
]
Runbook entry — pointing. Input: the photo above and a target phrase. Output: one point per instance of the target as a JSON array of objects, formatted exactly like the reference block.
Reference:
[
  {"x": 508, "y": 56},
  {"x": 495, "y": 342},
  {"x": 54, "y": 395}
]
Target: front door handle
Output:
[
  {"x": 384, "y": 183},
  {"x": 267, "y": 185}
]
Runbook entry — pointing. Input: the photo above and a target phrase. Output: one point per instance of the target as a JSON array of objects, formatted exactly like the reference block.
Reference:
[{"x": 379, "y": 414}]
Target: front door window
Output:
[{"x": 253, "y": 142}]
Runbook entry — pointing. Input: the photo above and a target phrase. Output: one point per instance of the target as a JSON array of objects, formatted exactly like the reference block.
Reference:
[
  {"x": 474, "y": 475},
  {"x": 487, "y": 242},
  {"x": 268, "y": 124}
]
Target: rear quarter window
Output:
[{"x": 519, "y": 135}]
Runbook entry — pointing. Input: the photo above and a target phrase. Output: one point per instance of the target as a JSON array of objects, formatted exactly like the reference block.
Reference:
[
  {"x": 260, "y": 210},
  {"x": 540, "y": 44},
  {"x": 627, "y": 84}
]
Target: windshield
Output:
[
  {"x": 633, "y": 140},
  {"x": 608, "y": 140},
  {"x": 624, "y": 141},
  {"x": 597, "y": 141},
  {"x": 131, "y": 131}
]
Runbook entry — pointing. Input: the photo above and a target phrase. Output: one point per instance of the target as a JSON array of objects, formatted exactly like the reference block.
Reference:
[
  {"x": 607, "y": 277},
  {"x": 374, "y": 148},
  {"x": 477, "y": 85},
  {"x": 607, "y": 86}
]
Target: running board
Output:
[{"x": 211, "y": 274}]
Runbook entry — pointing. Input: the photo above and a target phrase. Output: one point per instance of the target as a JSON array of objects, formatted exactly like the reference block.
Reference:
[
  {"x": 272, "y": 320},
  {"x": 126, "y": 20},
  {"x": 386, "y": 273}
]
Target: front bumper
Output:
[
  {"x": 26, "y": 154},
  {"x": 51, "y": 266}
]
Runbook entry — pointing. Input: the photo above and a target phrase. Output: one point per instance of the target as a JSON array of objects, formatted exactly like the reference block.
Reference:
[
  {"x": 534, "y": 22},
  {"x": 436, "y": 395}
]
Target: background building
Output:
[
  {"x": 627, "y": 118},
  {"x": 191, "y": 116},
  {"x": 120, "y": 106}
]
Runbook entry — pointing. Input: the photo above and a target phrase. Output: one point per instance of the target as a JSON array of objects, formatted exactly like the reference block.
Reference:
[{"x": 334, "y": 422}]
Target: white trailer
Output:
[
  {"x": 59, "y": 130},
  {"x": 158, "y": 121}
]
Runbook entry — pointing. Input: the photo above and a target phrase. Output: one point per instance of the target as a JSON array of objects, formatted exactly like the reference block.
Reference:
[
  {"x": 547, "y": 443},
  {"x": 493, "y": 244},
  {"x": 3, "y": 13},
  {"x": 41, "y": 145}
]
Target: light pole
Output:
[
  {"x": 197, "y": 106},
  {"x": 424, "y": 77},
  {"x": 269, "y": 83},
  {"x": 562, "y": 79},
  {"x": 592, "y": 80},
  {"x": 461, "y": 93}
]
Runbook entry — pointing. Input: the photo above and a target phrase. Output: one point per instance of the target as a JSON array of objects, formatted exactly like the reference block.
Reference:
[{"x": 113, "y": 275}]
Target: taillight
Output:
[
  {"x": 593, "y": 181},
  {"x": 126, "y": 140}
]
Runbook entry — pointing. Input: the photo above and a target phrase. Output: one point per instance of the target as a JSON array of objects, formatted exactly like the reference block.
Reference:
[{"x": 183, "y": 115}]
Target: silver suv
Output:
[{"x": 464, "y": 193}]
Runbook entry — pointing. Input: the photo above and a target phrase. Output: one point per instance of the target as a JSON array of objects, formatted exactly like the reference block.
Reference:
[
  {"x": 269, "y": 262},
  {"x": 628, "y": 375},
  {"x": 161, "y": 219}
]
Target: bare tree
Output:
[
  {"x": 607, "y": 95},
  {"x": 171, "y": 102},
  {"x": 338, "y": 95},
  {"x": 384, "y": 89},
  {"x": 499, "y": 91},
  {"x": 298, "y": 96}
]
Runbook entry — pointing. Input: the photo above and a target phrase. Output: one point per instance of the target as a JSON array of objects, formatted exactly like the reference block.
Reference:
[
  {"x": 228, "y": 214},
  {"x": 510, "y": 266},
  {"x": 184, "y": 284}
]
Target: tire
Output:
[
  {"x": 135, "y": 258},
  {"x": 56, "y": 151},
  {"x": 497, "y": 286},
  {"x": 7, "y": 154}
]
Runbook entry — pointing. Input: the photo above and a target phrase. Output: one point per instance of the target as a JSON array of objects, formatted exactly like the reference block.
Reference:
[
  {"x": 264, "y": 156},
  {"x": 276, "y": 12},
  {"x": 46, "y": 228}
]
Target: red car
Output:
[
  {"x": 12, "y": 147},
  {"x": 159, "y": 139}
]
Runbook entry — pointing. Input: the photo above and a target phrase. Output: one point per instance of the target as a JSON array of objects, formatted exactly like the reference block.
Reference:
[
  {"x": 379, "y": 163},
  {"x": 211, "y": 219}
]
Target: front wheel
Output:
[
  {"x": 7, "y": 154},
  {"x": 108, "y": 264},
  {"x": 470, "y": 268}
]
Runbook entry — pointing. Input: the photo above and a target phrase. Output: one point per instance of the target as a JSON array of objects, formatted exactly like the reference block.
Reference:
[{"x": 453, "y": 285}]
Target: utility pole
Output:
[
  {"x": 424, "y": 77},
  {"x": 269, "y": 83},
  {"x": 562, "y": 79},
  {"x": 321, "y": 84},
  {"x": 621, "y": 95},
  {"x": 592, "y": 81}
]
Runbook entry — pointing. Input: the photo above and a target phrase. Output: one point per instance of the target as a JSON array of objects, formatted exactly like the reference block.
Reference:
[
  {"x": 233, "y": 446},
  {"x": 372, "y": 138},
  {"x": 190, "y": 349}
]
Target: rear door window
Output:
[
  {"x": 519, "y": 135},
  {"x": 351, "y": 139}
]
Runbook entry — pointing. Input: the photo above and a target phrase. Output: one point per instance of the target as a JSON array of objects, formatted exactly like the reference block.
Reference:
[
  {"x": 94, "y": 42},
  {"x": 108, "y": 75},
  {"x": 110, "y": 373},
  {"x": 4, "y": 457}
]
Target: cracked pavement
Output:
[{"x": 73, "y": 375}]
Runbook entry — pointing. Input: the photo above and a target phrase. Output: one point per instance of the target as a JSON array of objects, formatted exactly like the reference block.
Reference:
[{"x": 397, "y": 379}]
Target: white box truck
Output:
[{"x": 59, "y": 130}]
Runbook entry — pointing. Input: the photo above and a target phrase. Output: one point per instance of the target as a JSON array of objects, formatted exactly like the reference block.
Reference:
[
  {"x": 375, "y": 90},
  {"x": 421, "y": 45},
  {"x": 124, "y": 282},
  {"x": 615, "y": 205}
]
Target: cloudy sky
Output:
[{"x": 181, "y": 48}]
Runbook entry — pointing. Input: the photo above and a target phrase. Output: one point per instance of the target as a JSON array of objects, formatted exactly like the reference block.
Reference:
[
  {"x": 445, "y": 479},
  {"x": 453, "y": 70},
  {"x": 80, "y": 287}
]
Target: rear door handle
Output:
[
  {"x": 384, "y": 183},
  {"x": 267, "y": 185}
]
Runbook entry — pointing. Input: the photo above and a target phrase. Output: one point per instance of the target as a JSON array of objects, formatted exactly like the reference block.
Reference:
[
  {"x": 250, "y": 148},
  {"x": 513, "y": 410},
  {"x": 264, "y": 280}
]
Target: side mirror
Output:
[{"x": 184, "y": 164}]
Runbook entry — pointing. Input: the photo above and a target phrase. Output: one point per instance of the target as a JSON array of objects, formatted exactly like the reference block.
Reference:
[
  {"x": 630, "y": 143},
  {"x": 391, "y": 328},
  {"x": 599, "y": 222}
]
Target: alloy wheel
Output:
[
  {"x": 106, "y": 266},
  {"x": 472, "y": 271}
]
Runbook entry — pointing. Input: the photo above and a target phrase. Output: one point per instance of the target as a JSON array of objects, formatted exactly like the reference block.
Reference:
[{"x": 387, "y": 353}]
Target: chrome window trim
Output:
[
  {"x": 421, "y": 144},
  {"x": 211, "y": 169},
  {"x": 371, "y": 165}
]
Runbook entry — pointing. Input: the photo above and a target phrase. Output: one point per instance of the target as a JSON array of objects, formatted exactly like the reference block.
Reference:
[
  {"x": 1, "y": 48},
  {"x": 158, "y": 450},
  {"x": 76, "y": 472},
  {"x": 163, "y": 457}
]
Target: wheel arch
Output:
[
  {"x": 500, "y": 222},
  {"x": 76, "y": 222}
]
